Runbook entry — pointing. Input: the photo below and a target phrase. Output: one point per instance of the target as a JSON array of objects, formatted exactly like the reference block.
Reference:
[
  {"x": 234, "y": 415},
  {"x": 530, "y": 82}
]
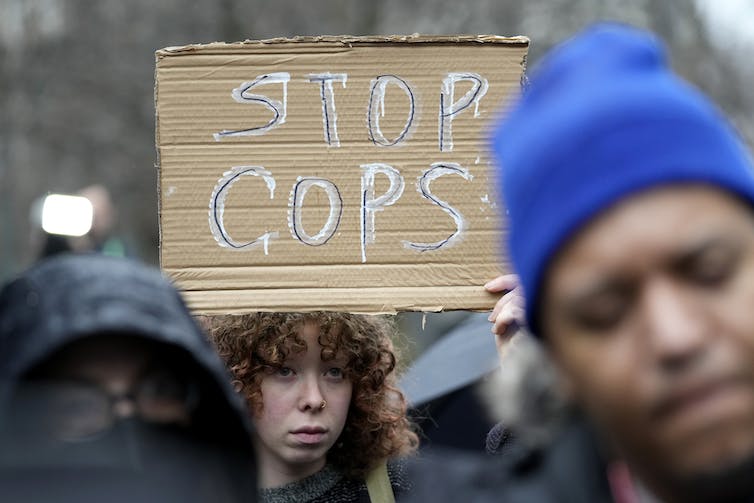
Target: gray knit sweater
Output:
[{"x": 330, "y": 485}]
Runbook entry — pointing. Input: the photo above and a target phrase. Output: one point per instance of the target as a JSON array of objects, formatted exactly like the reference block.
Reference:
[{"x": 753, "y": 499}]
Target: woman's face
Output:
[{"x": 305, "y": 405}]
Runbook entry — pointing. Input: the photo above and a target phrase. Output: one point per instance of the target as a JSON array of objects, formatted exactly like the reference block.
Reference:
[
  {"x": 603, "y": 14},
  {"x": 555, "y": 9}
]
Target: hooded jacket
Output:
[{"x": 70, "y": 298}]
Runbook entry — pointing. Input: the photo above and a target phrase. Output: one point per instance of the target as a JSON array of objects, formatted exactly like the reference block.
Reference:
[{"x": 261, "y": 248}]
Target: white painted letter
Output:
[
  {"x": 377, "y": 96},
  {"x": 369, "y": 205},
  {"x": 329, "y": 116},
  {"x": 217, "y": 207},
  {"x": 448, "y": 108},
  {"x": 278, "y": 108},
  {"x": 298, "y": 193},
  {"x": 437, "y": 170}
]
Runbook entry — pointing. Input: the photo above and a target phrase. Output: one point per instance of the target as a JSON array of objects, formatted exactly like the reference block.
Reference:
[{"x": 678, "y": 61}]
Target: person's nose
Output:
[
  {"x": 124, "y": 406},
  {"x": 122, "y": 400},
  {"x": 676, "y": 328},
  {"x": 311, "y": 397}
]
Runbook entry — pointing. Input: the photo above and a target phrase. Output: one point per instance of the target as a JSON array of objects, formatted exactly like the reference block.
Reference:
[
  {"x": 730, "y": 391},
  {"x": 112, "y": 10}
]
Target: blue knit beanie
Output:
[{"x": 603, "y": 117}]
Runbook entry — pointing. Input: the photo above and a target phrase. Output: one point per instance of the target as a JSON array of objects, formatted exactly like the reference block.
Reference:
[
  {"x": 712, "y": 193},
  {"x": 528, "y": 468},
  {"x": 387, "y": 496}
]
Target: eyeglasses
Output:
[{"x": 74, "y": 411}]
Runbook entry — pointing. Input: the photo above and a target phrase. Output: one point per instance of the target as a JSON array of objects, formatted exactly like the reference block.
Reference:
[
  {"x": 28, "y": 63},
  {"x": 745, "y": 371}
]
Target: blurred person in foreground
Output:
[
  {"x": 110, "y": 392},
  {"x": 631, "y": 221},
  {"x": 328, "y": 418},
  {"x": 632, "y": 232}
]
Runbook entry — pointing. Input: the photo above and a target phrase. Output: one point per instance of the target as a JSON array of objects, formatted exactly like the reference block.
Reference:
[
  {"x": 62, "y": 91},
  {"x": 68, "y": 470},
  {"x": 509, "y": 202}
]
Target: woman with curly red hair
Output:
[{"x": 325, "y": 406}]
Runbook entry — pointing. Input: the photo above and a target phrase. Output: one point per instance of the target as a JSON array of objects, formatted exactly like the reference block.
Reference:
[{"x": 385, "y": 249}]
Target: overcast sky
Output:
[{"x": 730, "y": 22}]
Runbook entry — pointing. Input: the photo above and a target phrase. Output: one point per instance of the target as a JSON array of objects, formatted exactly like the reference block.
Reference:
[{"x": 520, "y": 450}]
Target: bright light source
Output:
[{"x": 67, "y": 215}]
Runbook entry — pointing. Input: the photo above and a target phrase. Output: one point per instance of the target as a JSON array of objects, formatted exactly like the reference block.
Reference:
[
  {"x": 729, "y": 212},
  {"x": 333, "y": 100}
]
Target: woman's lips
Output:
[{"x": 309, "y": 435}]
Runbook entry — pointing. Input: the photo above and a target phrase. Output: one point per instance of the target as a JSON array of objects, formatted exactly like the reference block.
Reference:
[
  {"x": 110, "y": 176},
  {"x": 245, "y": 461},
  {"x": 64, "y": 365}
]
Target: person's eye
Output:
[
  {"x": 284, "y": 371},
  {"x": 73, "y": 406},
  {"x": 163, "y": 385},
  {"x": 601, "y": 314},
  {"x": 712, "y": 269},
  {"x": 335, "y": 372}
]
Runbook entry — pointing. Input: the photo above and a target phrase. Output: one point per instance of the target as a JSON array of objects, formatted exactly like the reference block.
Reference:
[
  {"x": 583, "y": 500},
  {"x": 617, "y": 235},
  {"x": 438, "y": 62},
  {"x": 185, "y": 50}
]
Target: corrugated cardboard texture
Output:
[{"x": 336, "y": 173}]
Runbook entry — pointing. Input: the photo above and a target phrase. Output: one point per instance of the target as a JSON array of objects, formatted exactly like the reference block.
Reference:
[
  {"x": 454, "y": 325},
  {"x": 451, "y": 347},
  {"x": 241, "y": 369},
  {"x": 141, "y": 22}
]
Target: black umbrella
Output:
[{"x": 463, "y": 355}]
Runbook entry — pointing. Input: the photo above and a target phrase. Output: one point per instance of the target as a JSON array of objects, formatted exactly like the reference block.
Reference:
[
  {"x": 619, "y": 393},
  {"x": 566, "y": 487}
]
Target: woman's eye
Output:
[
  {"x": 336, "y": 372},
  {"x": 285, "y": 372}
]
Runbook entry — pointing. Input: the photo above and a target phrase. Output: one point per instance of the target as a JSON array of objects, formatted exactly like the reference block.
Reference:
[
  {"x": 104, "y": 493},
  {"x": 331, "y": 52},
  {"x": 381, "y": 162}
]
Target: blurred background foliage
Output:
[{"x": 76, "y": 78}]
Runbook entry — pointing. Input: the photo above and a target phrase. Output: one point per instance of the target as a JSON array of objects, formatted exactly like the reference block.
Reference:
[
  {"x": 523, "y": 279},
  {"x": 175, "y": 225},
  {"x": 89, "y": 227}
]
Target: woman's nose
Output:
[{"x": 311, "y": 395}]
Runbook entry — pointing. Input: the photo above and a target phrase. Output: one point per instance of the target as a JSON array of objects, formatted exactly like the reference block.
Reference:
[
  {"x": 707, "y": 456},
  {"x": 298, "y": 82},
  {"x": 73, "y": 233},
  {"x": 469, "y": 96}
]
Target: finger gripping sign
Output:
[{"x": 332, "y": 173}]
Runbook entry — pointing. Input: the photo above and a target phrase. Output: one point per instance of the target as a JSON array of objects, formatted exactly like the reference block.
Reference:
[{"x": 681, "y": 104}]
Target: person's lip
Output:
[
  {"x": 309, "y": 434},
  {"x": 698, "y": 396}
]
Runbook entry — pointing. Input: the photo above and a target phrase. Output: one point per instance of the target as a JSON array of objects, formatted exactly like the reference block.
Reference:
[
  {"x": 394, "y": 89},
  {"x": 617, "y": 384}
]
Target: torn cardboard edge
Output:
[
  {"x": 352, "y": 300},
  {"x": 347, "y": 40}
]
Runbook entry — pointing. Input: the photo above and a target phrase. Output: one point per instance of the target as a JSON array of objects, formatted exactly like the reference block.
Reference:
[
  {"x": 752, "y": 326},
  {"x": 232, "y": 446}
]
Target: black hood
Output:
[{"x": 69, "y": 298}]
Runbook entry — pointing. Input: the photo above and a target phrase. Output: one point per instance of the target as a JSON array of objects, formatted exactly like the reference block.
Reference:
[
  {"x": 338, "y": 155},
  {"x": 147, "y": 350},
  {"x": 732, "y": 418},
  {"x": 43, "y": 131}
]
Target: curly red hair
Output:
[{"x": 377, "y": 426}]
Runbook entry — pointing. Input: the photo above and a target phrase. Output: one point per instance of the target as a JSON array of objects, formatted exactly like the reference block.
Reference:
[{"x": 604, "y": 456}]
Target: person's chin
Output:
[
  {"x": 304, "y": 454},
  {"x": 728, "y": 480}
]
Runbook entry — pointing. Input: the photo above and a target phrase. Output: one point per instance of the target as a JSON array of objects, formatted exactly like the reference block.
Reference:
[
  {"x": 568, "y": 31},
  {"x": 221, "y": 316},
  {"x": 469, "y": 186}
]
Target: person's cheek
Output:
[{"x": 603, "y": 377}]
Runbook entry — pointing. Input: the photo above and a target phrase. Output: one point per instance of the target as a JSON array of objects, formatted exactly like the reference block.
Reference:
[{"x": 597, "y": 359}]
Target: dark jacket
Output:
[
  {"x": 70, "y": 298},
  {"x": 570, "y": 469}
]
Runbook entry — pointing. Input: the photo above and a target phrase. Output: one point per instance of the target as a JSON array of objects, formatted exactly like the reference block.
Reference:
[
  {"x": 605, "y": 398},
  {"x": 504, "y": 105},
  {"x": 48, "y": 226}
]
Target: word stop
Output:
[{"x": 449, "y": 107}]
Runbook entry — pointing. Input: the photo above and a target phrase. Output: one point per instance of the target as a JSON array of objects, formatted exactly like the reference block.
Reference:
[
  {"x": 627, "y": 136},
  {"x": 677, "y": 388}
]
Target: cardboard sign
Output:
[{"x": 332, "y": 173}]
